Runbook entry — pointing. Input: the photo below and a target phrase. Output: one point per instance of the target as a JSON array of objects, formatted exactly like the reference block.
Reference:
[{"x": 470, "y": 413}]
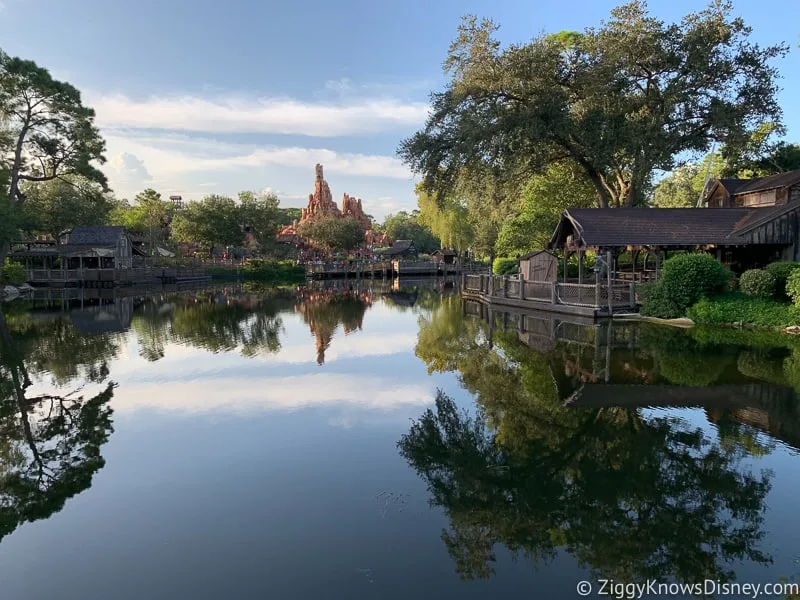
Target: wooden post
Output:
[
  {"x": 610, "y": 299},
  {"x": 597, "y": 264},
  {"x": 564, "y": 274},
  {"x": 521, "y": 288},
  {"x": 554, "y": 292},
  {"x": 633, "y": 294},
  {"x": 658, "y": 263},
  {"x": 505, "y": 286},
  {"x": 580, "y": 266}
]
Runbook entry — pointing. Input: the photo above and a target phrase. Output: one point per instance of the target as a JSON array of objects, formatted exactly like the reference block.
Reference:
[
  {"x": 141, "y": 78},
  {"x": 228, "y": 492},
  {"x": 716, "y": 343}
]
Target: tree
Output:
[
  {"x": 545, "y": 197},
  {"x": 448, "y": 219},
  {"x": 333, "y": 233},
  {"x": 679, "y": 189},
  {"x": 258, "y": 214},
  {"x": 212, "y": 222},
  {"x": 287, "y": 216},
  {"x": 621, "y": 100},
  {"x": 780, "y": 158},
  {"x": 405, "y": 226},
  {"x": 47, "y": 132},
  {"x": 58, "y": 204}
]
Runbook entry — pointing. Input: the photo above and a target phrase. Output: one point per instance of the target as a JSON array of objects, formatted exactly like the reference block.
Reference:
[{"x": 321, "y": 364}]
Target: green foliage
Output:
[
  {"x": 657, "y": 302},
  {"x": 58, "y": 204},
  {"x": 679, "y": 189},
  {"x": 447, "y": 218},
  {"x": 505, "y": 266},
  {"x": 259, "y": 215},
  {"x": 741, "y": 308},
  {"x": 544, "y": 198},
  {"x": 47, "y": 118},
  {"x": 13, "y": 273},
  {"x": 781, "y": 271},
  {"x": 273, "y": 270},
  {"x": 793, "y": 286},
  {"x": 688, "y": 277},
  {"x": 404, "y": 226},
  {"x": 287, "y": 216},
  {"x": 213, "y": 222},
  {"x": 333, "y": 233},
  {"x": 757, "y": 282},
  {"x": 620, "y": 99}
]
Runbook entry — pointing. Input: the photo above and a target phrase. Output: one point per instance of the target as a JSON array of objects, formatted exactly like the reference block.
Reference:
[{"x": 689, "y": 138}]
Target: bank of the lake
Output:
[{"x": 328, "y": 440}]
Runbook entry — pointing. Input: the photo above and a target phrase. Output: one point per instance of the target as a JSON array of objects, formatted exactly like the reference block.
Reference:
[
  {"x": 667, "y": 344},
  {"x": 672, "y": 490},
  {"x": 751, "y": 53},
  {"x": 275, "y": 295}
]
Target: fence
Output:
[{"x": 617, "y": 295}]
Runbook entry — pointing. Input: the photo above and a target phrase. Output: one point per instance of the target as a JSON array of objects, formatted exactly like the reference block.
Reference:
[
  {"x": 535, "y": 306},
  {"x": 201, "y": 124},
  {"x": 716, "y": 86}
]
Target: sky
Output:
[{"x": 198, "y": 96}]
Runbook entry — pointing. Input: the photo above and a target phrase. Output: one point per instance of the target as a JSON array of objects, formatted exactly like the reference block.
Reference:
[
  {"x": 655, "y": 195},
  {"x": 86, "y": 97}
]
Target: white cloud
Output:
[
  {"x": 175, "y": 160},
  {"x": 238, "y": 114},
  {"x": 127, "y": 171}
]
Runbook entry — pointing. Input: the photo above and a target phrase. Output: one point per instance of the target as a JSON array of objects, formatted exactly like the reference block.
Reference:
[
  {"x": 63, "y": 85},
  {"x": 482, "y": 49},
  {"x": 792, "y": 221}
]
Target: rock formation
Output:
[
  {"x": 321, "y": 204},
  {"x": 351, "y": 207}
]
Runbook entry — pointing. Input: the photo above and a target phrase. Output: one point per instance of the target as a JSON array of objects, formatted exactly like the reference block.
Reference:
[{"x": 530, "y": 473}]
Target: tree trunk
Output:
[{"x": 5, "y": 250}]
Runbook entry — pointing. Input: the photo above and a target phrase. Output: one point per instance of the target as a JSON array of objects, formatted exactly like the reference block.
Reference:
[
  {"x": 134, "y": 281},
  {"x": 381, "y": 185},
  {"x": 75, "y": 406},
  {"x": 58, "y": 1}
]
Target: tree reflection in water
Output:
[
  {"x": 631, "y": 495},
  {"x": 49, "y": 444}
]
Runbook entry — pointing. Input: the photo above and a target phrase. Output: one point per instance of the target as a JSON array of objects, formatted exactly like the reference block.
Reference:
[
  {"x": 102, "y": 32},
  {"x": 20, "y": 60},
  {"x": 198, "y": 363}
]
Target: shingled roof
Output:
[
  {"x": 677, "y": 227},
  {"x": 95, "y": 235},
  {"x": 772, "y": 182}
]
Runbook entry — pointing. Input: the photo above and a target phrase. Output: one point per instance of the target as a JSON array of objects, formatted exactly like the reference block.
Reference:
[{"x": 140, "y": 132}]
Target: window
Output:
[{"x": 757, "y": 199}]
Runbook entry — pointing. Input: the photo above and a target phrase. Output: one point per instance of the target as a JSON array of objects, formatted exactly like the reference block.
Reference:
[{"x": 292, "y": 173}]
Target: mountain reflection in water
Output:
[{"x": 636, "y": 452}]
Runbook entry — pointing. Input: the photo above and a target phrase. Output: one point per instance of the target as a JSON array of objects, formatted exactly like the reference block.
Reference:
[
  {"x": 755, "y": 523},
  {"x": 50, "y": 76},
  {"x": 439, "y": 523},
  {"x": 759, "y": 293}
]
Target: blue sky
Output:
[{"x": 197, "y": 96}]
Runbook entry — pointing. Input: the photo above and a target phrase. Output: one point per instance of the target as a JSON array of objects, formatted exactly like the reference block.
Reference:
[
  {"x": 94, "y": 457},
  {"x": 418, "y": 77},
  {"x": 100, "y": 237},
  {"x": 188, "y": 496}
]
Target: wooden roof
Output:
[
  {"x": 530, "y": 255},
  {"x": 95, "y": 235},
  {"x": 676, "y": 227}
]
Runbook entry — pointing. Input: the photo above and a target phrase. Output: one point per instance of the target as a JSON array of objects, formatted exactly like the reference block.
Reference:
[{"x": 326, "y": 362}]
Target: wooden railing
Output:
[{"x": 617, "y": 295}]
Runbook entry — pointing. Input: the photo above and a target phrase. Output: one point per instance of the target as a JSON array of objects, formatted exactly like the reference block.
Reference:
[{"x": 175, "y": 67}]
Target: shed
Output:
[
  {"x": 540, "y": 265},
  {"x": 445, "y": 256}
]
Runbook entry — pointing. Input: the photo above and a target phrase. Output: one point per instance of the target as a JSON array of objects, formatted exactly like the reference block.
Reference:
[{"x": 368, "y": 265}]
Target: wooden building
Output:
[
  {"x": 540, "y": 265},
  {"x": 775, "y": 190},
  {"x": 748, "y": 224},
  {"x": 401, "y": 248},
  {"x": 97, "y": 247}
]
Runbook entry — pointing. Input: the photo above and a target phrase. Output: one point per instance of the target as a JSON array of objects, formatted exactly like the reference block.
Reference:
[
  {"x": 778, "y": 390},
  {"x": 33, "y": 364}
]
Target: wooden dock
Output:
[
  {"x": 589, "y": 300},
  {"x": 390, "y": 269},
  {"x": 114, "y": 277}
]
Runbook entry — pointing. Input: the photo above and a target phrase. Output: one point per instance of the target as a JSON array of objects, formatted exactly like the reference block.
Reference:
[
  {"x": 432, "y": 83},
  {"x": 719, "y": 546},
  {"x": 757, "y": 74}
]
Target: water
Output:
[{"x": 384, "y": 443}]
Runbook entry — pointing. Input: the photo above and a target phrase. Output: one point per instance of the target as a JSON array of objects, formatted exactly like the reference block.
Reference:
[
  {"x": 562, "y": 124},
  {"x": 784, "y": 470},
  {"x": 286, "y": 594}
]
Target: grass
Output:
[{"x": 735, "y": 308}]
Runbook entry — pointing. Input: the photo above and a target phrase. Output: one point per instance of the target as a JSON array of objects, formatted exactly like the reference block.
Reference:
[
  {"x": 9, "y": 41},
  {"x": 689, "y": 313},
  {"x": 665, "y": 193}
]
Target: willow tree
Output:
[
  {"x": 620, "y": 100},
  {"x": 46, "y": 132}
]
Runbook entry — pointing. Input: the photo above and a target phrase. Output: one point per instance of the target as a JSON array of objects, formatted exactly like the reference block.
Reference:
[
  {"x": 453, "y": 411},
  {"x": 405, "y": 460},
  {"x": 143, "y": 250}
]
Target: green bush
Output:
[
  {"x": 505, "y": 266},
  {"x": 757, "y": 282},
  {"x": 272, "y": 270},
  {"x": 793, "y": 286},
  {"x": 656, "y": 302},
  {"x": 688, "y": 277},
  {"x": 781, "y": 271},
  {"x": 741, "y": 308},
  {"x": 13, "y": 273}
]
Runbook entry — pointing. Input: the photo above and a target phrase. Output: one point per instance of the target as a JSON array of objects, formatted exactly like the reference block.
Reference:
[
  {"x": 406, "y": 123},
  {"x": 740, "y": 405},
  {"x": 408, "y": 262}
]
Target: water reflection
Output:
[
  {"x": 565, "y": 452},
  {"x": 50, "y": 445}
]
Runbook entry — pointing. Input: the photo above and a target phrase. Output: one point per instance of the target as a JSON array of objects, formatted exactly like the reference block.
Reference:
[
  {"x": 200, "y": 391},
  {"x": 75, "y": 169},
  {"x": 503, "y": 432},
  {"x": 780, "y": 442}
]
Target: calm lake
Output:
[{"x": 392, "y": 442}]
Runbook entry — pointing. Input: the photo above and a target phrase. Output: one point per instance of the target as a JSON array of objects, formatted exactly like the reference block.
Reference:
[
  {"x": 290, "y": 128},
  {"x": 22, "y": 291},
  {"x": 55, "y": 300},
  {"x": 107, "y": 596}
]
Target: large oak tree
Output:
[{"x": 620, "y": 100}]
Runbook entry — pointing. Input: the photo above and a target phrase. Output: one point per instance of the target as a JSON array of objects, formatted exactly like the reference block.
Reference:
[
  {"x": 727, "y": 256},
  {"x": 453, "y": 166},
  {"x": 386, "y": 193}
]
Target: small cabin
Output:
[
  {"x": 445, "y": 256},
  {"x": 540, "y": 265}
]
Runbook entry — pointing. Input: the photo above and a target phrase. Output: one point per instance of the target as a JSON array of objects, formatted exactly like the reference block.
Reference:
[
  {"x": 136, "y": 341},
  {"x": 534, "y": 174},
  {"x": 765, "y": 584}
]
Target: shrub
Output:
[
  {"x": 13, "y": 273},
  {"x": 688, "y": 277},
  {"x": 757, "y": 282},
  {"x": 781, "y": 271},
  {"x": 793, "y": 286},
  {"x": 656, "y": 302},
  {"x": 505, "y": 266},
  {"x": 741, "y": 308}
]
